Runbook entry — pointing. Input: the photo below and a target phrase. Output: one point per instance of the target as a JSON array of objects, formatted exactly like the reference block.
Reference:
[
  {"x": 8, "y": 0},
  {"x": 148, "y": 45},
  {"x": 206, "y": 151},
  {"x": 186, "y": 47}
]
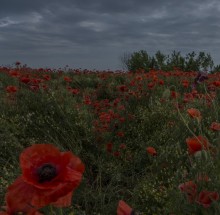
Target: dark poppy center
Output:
[{"x": 46, "y": 173}]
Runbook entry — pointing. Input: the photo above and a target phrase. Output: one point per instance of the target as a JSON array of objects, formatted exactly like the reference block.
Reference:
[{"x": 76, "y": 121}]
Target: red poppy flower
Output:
[
  {"x": 161, "y": 82},
  {"x": 150, "y": 85},
  {"x": 14, "y": 73},
  {"x": 122, "y": 146},
  {"x": 190, "y": 189},
  {"x": 75, "y": 91},
  {"x": 185, "y": 83},
  {"x": 197, "y": 144},
  {"x": 117, "y": 153},
  {"x": 105, "y": 117},
  {"x": 67, "y": 79},
  {"x": 52, "y": 174},
  {"x": 11, "y": 89},
  {"x": 194, "y": 113},
  {"x": 207, "y": 197},
  {"x": 25, "y": 80},
  {"x": 215, "y": 126},
  {"x": 216, "y": 83},
  {"x": 188, "y": 97},
  {"x": 47, "y": 77},
  {"x": 124, "y": 209},
  {"x": 18, "y": 199},
  {"x": 174, "y": 94},
  {"x": 109, "y": 147},
  {"x": 123, "y": 88},
  {"x": 87, "y": 100},
  {"x": 151, "y": 151},
  {"x": 202, "y": 177},
  {"x": 120, "y": 134}
]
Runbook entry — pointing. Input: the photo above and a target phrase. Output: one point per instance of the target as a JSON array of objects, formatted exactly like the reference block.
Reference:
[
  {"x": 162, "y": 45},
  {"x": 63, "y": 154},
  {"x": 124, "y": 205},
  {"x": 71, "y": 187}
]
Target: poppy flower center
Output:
[{"x": 46, "y": 173}]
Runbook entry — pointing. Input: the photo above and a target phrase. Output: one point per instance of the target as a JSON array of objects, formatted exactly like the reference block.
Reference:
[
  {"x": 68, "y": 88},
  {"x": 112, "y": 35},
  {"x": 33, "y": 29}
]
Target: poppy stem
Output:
[
  {"x": 51, "y": 210},
  {"x": 199, "y": 125},
  {"x": 61, "y": 211},
  {"x": 186, "y": 123}
]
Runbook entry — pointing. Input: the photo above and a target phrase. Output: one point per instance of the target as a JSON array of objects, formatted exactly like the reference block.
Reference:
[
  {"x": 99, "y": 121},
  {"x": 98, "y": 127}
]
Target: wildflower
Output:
[
  {"x": 109, "y": 147},
  {"x": 150, "y": 85},
  {"x": 18, "y": 199},
  {"x": 161, "y": 82},
  {"x": 116, "y": 153},
  {"x": 202, "y": 177},
  {"x": 87, "y": 100},
  {"x": 46, "y": 77},
  {"x": 188, "y": 97},
  {"x": 105, "y": 117},
  {"x": 190, "y": 189},
  {"x": 215, "y": 126},
  {"x": 67, "y": 79},
  {"x": 122, "y": 119},
  {"x": 202, "y": 76},
  {"x": 122, "y": 146},
  {"x": 194, "y": 113},
  {"x": 120, "y": 134},
  {"x": 196, "y": 144},
  {"x": 205, "y": 198},
  {"x": 174, "y": 94},
  {"x": 216, "y": 83},
  {"x": 151, "y": 151},
  {"x": 48, "y": 177},
  {"x": 185, "y": 83},
  {"x": 25, "y": 80},
  {"x": 14, "y": 73},
  {"x": 123, "y": 88},
  {"x": 11, "y": 89},
  {"x": 124, "y": 209},
  {"x": 75, "y": 91}
]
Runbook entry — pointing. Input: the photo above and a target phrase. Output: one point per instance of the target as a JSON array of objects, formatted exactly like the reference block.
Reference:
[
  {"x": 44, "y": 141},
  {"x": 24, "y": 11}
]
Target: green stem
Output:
[
  {"x": 51, "y": 210},
  {"x": 61, "y": 211}
]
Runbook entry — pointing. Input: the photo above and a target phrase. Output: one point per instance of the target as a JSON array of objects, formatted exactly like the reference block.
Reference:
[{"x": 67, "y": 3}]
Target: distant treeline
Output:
[{"x": 189, "y": 62}]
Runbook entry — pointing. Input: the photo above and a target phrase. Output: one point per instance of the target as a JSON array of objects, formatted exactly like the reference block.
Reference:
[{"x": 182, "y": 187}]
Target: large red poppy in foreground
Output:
[{"x": 48, "y": 177}]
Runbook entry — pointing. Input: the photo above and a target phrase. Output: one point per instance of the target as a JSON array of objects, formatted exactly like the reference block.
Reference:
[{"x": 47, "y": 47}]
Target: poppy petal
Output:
[{"x": 123, "y": 208}]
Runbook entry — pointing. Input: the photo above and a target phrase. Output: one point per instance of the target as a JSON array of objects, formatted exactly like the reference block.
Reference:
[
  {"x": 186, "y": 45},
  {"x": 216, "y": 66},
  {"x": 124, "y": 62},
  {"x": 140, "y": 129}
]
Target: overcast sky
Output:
[{"x": 94, "y": 34}]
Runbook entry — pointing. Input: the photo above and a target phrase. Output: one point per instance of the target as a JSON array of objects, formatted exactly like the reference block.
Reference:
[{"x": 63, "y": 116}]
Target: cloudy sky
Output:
[{"x": 94, "y": 34}]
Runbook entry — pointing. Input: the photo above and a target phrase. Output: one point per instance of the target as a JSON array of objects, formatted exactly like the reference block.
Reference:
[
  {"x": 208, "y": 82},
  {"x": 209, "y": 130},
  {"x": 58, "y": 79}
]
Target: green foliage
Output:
[
  {"x": 139, "y": 60},
  {"x": 149, "y": 184},
  {"x": 191, "y": 61}
]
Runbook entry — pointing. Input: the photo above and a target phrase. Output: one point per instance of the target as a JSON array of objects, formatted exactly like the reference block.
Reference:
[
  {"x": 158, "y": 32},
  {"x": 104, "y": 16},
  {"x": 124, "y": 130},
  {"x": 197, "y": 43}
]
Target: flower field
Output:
[{"x": 84, "y": 142}]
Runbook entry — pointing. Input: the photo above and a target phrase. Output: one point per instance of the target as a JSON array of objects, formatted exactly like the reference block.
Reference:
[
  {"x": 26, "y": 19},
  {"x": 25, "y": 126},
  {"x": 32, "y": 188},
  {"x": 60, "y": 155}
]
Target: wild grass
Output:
[{"x": 110, "y": 109}]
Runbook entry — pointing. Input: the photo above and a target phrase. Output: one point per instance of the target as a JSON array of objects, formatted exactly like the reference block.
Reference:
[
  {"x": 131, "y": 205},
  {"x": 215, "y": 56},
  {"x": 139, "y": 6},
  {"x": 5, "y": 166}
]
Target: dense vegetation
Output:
[
  {"x": 190, "y": 62},
  {"x": 150, "y": 139}
]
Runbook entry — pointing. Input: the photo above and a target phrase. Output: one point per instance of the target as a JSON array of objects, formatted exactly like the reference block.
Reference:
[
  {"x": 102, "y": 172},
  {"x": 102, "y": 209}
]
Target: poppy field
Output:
[{"x": 84, "y": 142}]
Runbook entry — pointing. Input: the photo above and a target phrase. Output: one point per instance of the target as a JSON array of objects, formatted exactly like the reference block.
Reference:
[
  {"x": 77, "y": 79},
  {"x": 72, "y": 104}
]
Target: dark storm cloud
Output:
[{"x": 94, "y": 34}]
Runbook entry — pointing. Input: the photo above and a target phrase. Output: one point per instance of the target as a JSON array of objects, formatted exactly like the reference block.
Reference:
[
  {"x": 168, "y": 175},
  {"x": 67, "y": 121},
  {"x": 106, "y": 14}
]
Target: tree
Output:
[
  {"x": 191, "y": 62},
  {"x": 205, "y": 61},
  {"x": 161, "y": 60},
  {"x": 176, "y": 60},
  {"x": 137, "y": 60}
]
